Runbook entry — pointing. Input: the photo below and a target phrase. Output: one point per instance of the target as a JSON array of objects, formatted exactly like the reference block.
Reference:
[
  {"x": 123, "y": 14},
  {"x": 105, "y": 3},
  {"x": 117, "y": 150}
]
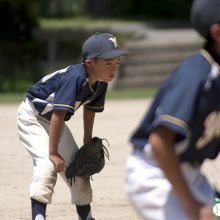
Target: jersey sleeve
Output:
[
  {"x": 177, "y": 106},
  {"x": 97, "y": 104},
  {"x": 65, "y": 94}
]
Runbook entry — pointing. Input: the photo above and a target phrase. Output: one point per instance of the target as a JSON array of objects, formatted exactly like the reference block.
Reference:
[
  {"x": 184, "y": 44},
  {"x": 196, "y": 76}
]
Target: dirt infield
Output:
[{"x": 116, "y": 124}]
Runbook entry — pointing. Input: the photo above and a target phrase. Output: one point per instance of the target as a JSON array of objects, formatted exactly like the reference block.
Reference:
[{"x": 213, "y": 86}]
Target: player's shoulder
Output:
[
  {"x": 194, "y": 68},
  {"x": 195, "y": 65},
  {"x": 193, "y": 71},
  {"x": 76, "y": 70},
  {"x": 73, "y": 76}
]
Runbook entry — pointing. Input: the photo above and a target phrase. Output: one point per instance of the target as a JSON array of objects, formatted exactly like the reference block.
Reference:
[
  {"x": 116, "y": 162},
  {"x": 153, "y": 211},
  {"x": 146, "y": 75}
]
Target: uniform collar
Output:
[{"x": 92, "y": 88}]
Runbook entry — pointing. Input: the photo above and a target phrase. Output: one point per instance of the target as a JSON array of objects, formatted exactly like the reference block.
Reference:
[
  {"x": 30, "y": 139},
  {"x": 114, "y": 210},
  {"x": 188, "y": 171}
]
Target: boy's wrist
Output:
[
  {"x": 87, "y": 140},
  {"x": 53, "y": 152}
]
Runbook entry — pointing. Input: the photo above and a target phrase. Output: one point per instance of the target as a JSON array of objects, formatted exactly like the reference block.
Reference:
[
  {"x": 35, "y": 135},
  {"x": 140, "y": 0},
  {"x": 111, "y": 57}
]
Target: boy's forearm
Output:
[
  {"x": 56, "y": 127},
  {"x": 88, "y": 118},
  {"x": 164, "y": 152}
]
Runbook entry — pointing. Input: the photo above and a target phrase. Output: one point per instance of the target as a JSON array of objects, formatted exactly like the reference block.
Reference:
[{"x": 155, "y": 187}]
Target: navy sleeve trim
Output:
[
  {"x": 94, "y": 108},
  {"x": 101, "y": 107}
]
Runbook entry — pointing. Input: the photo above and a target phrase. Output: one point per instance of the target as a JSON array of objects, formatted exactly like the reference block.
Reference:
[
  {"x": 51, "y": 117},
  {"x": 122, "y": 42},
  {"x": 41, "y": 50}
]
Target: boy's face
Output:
[{"x": 104, "y": 69}]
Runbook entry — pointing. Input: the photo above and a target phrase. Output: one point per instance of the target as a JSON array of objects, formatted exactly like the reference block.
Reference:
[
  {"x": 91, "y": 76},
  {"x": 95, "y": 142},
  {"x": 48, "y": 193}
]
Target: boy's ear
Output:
[
  {"x": 88, "y": 62},
  {"x": 215, "y": 32}
]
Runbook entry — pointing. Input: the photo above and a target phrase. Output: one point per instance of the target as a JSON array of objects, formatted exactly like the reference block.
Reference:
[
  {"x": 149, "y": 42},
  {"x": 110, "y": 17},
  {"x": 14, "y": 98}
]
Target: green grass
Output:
[
  {"x": 134, "y": 93},
  {"x": 10, "y": 98},
  {"x": 78, "y": 21},
  {"x": 83, "y": 22}
]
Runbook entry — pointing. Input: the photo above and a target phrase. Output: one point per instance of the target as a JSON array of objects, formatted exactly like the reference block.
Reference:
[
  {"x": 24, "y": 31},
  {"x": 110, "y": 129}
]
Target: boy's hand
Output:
[
  {"x": 206, "y": 214},
  {"x": 57, "y": 161},
  {"x": 201, "y": 212}
]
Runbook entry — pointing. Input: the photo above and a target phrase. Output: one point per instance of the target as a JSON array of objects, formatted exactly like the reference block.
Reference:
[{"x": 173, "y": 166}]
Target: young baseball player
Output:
[
  {"x": 180, "y": 130},
  {"x": 52, "y": 101}
]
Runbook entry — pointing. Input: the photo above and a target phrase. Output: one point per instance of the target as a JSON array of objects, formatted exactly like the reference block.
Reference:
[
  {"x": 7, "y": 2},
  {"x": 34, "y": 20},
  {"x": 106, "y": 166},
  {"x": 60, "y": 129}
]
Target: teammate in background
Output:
[
  {"x": 52, "y": 101},
  {"x": 179, "y": 131}
]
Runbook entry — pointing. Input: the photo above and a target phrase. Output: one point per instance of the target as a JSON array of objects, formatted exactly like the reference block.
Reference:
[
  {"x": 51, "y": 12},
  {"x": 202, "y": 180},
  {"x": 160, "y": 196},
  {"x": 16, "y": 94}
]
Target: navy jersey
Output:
[
  {"x": 188, "y": 104},
  {"x": 67, "y": 90}
]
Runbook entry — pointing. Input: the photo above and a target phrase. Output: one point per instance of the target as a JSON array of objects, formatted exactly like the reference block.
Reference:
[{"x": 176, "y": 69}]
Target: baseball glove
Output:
[{"x": 88, "y": 160}]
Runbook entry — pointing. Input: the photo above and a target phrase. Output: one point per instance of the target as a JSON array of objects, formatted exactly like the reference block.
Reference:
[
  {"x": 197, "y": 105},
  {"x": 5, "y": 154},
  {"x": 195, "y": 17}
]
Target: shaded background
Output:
[{"x": 29, "y": 50}]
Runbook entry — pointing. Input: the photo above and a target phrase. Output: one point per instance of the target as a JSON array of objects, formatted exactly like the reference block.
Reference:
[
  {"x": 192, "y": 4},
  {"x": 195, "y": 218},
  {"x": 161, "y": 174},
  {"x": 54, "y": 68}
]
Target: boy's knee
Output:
[{"x": 42, "y": 186}]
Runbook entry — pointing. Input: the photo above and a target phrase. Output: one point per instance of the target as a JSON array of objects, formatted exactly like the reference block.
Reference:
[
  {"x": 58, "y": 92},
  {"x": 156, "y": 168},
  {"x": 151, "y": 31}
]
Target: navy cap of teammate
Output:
[
  {"x": 103, "y": 46},
  {"x": 204, "y": 14}
]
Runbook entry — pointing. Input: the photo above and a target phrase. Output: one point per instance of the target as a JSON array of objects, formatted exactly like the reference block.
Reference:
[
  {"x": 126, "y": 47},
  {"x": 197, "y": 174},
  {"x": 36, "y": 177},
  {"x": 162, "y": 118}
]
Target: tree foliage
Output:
[
  {"x": 145, "y": 9},
  {"x": 20, "y": 52},
  {"x": 18, "y": 18},
  {"x": 17, "y": 46},
  {"x": 60, "y": 9},
  {"x": 148, "y": 9}
]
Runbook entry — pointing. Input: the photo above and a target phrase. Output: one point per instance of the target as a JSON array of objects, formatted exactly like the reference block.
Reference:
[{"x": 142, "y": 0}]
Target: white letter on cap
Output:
[{"x": 114, "y": 41}]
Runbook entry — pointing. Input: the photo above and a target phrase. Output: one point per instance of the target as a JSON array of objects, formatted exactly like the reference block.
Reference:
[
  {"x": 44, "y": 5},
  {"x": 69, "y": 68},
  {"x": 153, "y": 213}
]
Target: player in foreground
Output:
[
  {"x": 179, "y": 131},
  {"x": 52, "y": 101}
]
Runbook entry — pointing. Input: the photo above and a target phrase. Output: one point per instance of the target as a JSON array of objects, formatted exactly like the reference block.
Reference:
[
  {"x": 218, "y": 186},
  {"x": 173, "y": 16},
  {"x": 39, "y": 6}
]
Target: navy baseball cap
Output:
[
  {"x": 102, "y": 46},
  {"x": 205, "y": 13}
]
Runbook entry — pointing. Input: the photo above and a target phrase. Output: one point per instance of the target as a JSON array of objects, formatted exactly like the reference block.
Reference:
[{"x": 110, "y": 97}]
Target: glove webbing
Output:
[{"x": 106, "y": 153}]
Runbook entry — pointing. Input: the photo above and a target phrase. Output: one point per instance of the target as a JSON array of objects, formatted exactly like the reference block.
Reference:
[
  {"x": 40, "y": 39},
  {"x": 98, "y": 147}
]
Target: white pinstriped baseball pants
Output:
[
  {"x": 151, "y": 194},
  {"x": 33, "y": 133}
]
